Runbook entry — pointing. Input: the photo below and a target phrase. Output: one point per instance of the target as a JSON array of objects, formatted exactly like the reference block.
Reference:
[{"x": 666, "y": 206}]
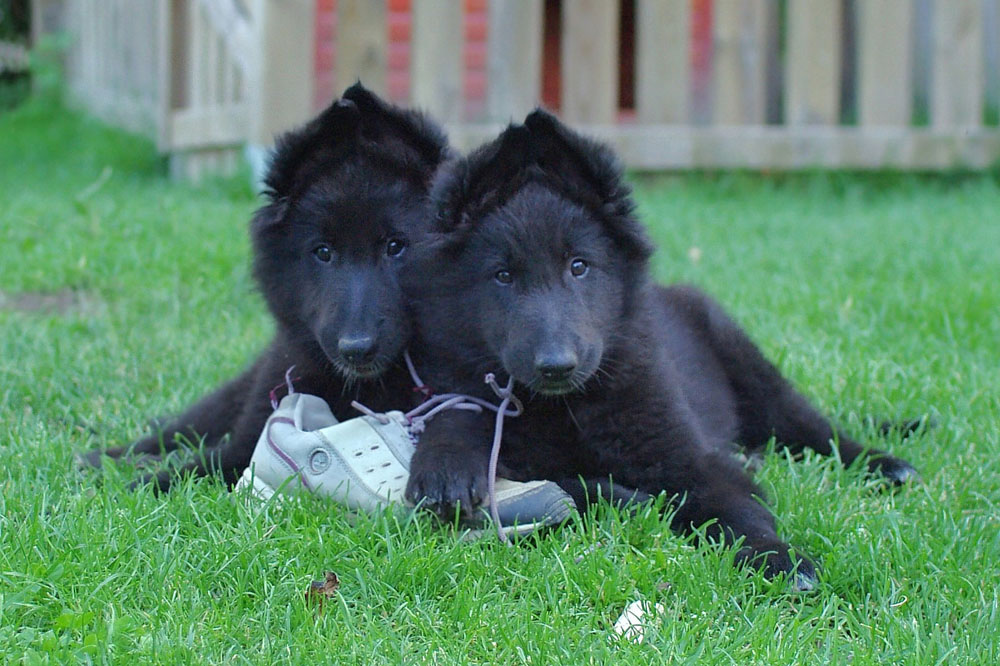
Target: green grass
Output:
[{"x": 876, "y": 295}]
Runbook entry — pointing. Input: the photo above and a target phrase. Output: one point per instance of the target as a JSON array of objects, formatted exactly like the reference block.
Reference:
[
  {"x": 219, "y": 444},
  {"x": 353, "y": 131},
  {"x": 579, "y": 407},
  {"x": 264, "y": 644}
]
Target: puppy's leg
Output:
[
  {"x": 717, "y": 488},
  {"x": 588, "y": 492},
  {"x": 207, "y": 421},
  {"x": 450, "y": 465},
  {"x": 231, "y": 457},
  {"x": 768, "y": 404},
  {"x": 656, "y": 447}
]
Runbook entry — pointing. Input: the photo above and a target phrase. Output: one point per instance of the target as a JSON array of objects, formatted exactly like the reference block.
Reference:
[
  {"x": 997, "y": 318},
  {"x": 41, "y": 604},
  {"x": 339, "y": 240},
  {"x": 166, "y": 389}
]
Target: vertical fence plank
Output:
[
  {"x": 362, "y": 44},
  {"x": 513, "y": 58},
  {"x": 98, "y": 42},
  {"x": 590, "y": 61},
  {"x": 227, "y": 71},
  {"x": 991, "y": 58},
  {"x": 112, "y": 67},
  {"x": 885, "y": 63},
  {"x": 94, "y": 15},
  {"x": 958, "y": 75},
  {"x": 87, "y": 15},
  {"x": 282, "y": 94},
  {"x": 812, "y": 62},
  {"x": 180, "y": 54},
  {"x": 196, "y": 46},
  {"x": 165, "y": 47},
  {"x": 77, "y": 59},
  {"x": 212, "y": 57},
  {"x": 739, "y": 62},
  {"x": 154, "y": 60},
  {"x": 37, "y": 21},
  {"x": 138, "y": 45},
  {"x": 89, "y": 41},
  {"x": 663, "y": 61},
  {"x": 436, "y": 58}
]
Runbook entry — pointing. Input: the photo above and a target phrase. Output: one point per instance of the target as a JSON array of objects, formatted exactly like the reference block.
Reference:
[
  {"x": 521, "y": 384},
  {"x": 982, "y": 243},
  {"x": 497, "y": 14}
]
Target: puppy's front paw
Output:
[
  {"x": 440, "y": 481},
  {"x": 93, "y": 458},
  {"x": 895, "y": 470}
]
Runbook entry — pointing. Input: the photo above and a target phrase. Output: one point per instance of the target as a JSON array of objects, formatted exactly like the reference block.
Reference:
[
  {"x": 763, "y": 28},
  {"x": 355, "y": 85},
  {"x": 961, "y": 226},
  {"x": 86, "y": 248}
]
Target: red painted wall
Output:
[
  {"x": 399, "y": 25},
  {"x": 476, "y": 26}
]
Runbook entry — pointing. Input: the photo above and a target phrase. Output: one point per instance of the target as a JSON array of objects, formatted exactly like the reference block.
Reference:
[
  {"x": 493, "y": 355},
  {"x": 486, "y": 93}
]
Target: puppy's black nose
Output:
[
  {"x": 359, "y": 349},
  {"x": 557, "y": 366}
]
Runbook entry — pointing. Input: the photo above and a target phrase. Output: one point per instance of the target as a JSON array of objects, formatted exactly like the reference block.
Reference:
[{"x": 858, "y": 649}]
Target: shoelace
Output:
[
  {"x": 434, "y": 404},
  {"x": 273, "y": 395}
]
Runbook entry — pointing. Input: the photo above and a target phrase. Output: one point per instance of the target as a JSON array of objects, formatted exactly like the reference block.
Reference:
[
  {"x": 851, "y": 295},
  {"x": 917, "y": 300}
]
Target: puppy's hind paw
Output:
[
  {"x": 896, "y": 471},
  {"x": 804, "y": 579},
  {"x": 94, "y": 459},
  {"x": 158, "y": 482}
]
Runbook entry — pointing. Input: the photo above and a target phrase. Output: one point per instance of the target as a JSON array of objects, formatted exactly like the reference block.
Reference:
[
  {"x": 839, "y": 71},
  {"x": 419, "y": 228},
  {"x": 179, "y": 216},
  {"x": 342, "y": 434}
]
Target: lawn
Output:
[{"x": 124, "y": 296}]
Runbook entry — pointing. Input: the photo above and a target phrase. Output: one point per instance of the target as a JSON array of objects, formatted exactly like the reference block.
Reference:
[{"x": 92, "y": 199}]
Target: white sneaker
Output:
[{"x": 364, "y": 463}]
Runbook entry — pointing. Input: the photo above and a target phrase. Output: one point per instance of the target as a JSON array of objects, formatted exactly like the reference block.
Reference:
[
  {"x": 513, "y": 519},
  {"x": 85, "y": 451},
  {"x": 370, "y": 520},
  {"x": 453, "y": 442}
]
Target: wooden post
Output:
[
  {"x": 37, "y": 21},
  {"x": 663, "y": 61},
  {"x": 739, "y": 61},
  {"x": 282, "y": 92},
  {"x": 47, "y": 16},
  {"x": 436, "y": 58},
  {"x": 812, "y": 62},
  {"x": 958, "y": 76},
  {"x": 513, "y": 59},
  {"x": 885, "y": 62},
  {"x": 362, "y": 44},
  {"x": 590, "y": 61}
]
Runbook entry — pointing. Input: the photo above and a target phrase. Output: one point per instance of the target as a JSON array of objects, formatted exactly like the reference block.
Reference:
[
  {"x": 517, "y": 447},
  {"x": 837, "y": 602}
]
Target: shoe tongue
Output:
[{"x": 311, "y": 412}]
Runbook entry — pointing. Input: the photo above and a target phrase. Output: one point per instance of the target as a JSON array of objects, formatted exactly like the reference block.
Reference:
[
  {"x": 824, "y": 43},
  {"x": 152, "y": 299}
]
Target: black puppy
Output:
[
  {"x": 537, "y": 270},
  {"x": 347, "y": 194}
]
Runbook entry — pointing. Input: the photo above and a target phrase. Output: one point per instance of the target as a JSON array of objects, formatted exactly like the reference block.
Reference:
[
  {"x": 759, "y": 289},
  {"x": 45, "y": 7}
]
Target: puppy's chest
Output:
[{"x": 545, "y": 443}]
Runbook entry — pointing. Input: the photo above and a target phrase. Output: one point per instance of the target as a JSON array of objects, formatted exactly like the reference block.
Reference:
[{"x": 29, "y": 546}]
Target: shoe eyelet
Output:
[{"x": 319, "y": 461}]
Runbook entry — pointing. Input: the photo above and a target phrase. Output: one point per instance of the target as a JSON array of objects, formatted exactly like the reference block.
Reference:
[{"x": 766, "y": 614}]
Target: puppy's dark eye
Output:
[
  {"x": 578, "y": 267},
  {"x": 503, "y": 277},
  {"x": 395, "y": 247},
  {"x": 323, "y": 253}
]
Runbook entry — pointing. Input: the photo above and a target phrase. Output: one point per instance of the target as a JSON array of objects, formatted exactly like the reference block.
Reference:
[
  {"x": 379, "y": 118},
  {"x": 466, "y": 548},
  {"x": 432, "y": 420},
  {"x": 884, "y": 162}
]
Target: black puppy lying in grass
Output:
[
  {"x": 347, "y": 194},
  {"x": 537, "y": 270}
]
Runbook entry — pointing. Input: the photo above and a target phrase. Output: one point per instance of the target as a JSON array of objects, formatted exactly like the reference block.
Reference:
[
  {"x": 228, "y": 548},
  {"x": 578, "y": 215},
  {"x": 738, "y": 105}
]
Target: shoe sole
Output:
[
  {"x": 263, "y": 492},
  {"x": 255, "y": 486},
  {"x": 510, "y": 531}
]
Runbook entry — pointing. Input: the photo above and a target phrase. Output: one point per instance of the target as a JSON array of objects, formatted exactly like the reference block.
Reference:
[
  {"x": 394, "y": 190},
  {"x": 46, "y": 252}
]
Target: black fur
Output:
[
  {"x": 351, "y": 180},
  {"x": 648, "y": 386}
]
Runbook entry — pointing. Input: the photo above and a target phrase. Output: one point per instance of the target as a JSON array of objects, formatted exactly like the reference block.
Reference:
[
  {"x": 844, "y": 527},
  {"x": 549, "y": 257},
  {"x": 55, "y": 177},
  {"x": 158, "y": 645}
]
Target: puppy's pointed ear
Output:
[
  {"x": 409, "y": 136},
  {"x": 336, "y": 128},
  {"x": 589, "y": 172},
  {"x": 581, "y": 164},
  {"x": 467, "y": 188}
]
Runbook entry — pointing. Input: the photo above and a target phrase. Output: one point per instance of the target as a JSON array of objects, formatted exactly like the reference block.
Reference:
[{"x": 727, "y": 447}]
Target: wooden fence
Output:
[
  {"x": 115, "y": 59},
  {"x": 208, "y": 76}
]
